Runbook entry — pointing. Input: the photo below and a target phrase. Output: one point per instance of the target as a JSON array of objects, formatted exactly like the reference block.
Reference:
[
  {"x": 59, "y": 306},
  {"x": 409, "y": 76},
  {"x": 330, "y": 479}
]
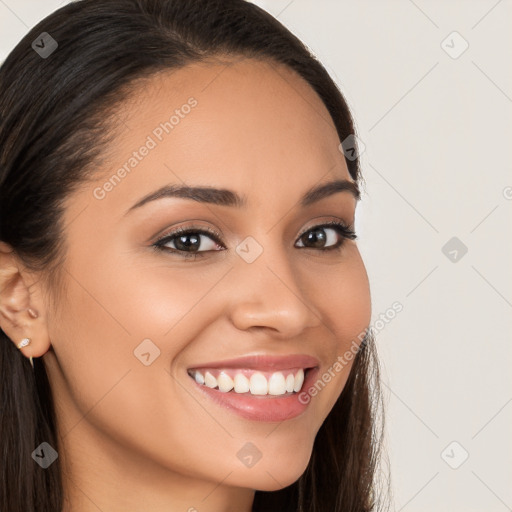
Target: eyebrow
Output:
[{"x": 225, "y": 197}]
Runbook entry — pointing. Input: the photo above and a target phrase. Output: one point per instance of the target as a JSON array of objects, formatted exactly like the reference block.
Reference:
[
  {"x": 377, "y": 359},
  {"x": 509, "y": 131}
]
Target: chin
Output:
[{"x": 278, "y": 474}]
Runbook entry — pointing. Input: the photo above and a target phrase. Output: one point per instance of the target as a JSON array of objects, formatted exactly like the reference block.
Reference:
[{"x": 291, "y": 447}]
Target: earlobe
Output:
[{"x": 20, "y": 317}]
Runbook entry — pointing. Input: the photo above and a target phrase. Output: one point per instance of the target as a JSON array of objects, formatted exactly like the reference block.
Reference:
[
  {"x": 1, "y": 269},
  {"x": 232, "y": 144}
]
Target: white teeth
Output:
[
  {"x": 241, "y": 383},
  {"x": 225, "y": 382},
  {"x": 277, "y": 384},
  {"x": 210, "y": 380},
  {"x": 290, "y": 383},
  {"x": 258, "y": 384},
  {"x": 299, "y": 380}
]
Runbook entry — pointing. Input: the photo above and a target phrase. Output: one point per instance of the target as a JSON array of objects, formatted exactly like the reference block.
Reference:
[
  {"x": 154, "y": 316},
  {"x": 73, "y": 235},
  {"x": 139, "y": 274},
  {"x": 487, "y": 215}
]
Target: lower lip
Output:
[{"x": 268, "y": 408}]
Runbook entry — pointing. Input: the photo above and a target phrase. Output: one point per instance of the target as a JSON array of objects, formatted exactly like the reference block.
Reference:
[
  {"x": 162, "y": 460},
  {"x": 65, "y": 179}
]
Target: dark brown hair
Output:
[{"x": 57, "y": 116}]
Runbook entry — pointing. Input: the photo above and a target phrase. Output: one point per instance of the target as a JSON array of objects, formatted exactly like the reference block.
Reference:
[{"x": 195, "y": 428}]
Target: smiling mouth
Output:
[{"x": 250, "y": 382}]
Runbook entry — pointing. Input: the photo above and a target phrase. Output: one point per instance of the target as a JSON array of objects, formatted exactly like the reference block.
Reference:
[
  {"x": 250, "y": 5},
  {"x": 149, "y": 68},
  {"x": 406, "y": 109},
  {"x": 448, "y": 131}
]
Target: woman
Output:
[{"x": 178, "y": 263}]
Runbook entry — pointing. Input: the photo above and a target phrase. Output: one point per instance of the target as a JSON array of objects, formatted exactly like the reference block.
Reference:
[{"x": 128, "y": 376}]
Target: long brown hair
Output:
[{"x": 54, "y": 125}]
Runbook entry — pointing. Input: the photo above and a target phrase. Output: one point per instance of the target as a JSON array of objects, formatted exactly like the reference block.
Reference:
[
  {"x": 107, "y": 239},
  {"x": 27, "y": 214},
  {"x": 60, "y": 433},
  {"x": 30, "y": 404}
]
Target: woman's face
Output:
[{"x": 136, "y": 320}]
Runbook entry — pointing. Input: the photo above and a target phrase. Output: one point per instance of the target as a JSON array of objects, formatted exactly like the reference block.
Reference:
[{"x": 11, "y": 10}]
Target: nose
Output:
[{"x": 269, "y": 296}]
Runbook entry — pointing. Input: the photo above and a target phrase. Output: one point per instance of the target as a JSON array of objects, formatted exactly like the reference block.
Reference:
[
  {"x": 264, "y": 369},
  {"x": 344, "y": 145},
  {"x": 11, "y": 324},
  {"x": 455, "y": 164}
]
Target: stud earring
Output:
[{"x": 23, "y": 343}]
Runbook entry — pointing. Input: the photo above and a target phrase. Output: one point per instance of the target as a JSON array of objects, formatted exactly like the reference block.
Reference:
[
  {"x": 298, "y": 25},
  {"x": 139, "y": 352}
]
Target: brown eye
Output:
[
  {"x": 326, "y": 236},
  {"x": 189, "y": 241}
]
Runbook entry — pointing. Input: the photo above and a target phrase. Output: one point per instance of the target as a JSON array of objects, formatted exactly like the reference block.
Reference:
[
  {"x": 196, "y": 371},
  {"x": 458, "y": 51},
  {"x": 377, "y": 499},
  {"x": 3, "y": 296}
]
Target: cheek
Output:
[
  {"x": 115, "y": 311},
  {"x": 111, "y": 317},
  {"x": 341, "y": 293}
]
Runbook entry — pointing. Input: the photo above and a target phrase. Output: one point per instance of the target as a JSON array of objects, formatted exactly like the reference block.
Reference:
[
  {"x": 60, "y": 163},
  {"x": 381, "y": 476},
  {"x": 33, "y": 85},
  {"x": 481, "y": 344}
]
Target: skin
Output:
[{"x": 136, "y": 437}]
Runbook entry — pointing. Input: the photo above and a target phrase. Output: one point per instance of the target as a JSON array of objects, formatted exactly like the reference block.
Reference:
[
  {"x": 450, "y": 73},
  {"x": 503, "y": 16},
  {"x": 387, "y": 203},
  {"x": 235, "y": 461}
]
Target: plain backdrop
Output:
[{"x": 430, "y": 86}]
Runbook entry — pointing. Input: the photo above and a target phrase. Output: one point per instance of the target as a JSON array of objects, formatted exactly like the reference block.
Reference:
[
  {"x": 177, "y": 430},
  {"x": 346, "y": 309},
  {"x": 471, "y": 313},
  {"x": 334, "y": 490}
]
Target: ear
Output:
[{"x": 22, "y": 310}]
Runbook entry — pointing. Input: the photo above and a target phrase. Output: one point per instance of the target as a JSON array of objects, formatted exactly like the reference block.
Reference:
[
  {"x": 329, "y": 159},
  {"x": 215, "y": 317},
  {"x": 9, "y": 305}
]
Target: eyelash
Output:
[{"x": 340, "y": 227}]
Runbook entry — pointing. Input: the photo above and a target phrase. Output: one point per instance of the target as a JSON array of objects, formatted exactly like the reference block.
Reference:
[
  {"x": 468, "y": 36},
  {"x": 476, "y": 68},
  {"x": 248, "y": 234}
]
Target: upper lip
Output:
[{"x": 264, "y": 362}]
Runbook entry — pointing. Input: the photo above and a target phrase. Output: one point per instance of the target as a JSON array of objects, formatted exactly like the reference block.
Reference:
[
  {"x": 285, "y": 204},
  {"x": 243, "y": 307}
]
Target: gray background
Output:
[{"x": 437, "y": 128}]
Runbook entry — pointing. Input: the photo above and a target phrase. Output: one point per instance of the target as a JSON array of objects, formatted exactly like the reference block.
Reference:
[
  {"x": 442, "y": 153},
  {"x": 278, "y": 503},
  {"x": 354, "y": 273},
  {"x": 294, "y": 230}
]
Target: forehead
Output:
[{"x": 245, "y": 124}]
